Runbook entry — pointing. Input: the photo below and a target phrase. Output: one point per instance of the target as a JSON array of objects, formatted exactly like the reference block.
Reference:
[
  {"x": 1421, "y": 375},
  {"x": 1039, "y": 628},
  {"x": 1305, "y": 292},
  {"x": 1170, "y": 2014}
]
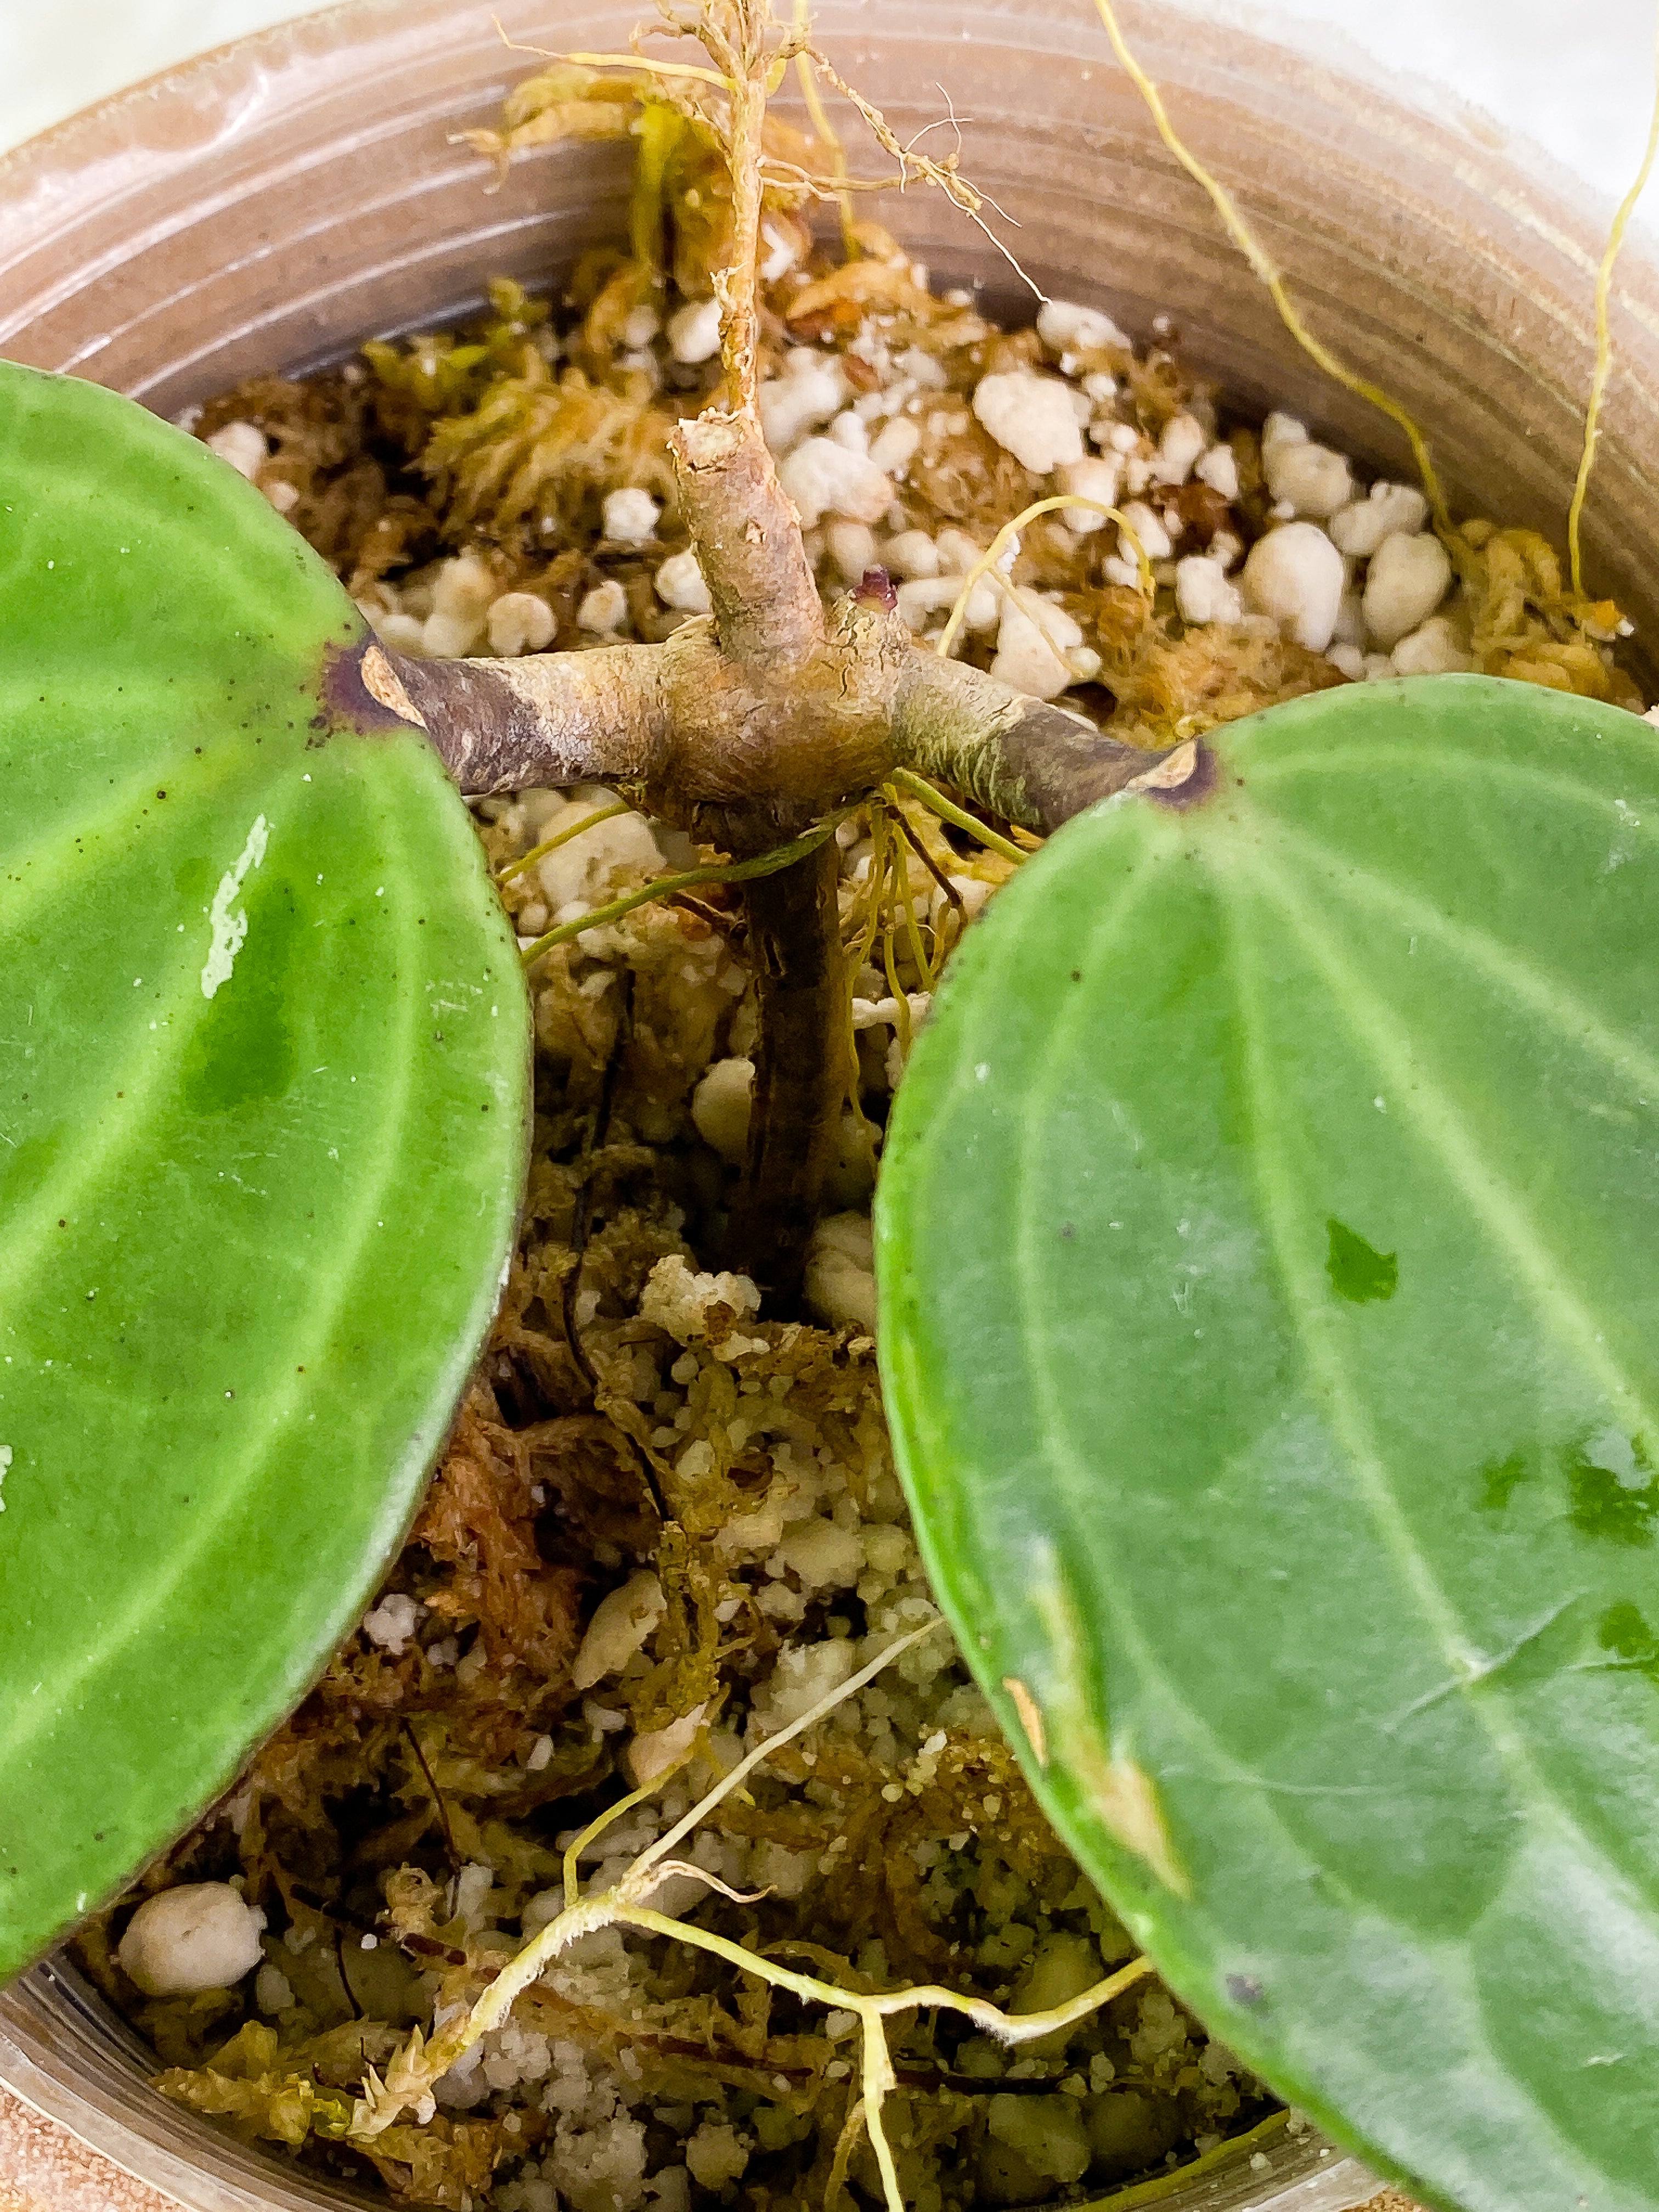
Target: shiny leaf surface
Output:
[
  {"x": 1268, "y": 1247},
  {"x": 263, "y": 1099}
]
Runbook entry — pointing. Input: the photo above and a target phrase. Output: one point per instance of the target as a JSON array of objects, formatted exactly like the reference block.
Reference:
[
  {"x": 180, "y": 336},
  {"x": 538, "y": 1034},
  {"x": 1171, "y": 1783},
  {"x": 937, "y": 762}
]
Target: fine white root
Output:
[{"x": 412, "y": 2073}]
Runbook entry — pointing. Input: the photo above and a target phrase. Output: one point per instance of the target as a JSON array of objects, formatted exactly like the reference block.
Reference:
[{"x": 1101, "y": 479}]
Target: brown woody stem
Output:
[
  {"x": 800, "y": 1075},
  {"x": 740, "y": 49},
  {"x": 746, "y": 728},
  {"x": 555, "y": 719},
  {"x": 766, "y": 604},
  {"x": 1028, "y": 761}
]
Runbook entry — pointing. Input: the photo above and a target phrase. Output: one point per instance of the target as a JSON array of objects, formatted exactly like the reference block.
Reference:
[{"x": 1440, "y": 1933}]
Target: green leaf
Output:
[
  {"x": 263, "y": 1078},
  {"x": 1268, "y": 1244}
]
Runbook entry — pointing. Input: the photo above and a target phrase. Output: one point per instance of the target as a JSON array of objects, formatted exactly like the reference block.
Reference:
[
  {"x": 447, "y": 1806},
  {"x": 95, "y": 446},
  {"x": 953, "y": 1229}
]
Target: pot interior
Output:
[{"x": 274, "y": 204}]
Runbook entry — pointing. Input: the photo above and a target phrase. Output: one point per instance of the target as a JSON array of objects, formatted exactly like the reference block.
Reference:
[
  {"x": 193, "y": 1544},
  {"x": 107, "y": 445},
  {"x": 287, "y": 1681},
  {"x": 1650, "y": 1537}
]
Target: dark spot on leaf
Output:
[
  {"x": 1500, "y": 1479},
  {"x": 1358, "y": 1272},
  {"x": 1244, "y": 1989},
  {"x": 1068, "y": 1231},
  {"x": 1077, "y": 974},
  {"x": 1609, "y": 1502},
  {"x": 1624, "y": 1631}
]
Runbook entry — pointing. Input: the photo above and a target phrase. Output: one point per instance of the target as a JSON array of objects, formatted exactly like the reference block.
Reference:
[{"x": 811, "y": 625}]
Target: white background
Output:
[{"x": 1573, "y": 77}]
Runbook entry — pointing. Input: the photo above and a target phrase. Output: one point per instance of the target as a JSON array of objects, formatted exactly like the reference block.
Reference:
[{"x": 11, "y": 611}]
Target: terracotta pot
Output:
[{"x": 272, "y": 204}]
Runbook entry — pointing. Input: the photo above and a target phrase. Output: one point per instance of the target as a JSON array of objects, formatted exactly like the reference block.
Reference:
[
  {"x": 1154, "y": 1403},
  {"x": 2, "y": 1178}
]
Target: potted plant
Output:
[{"x": 358, "y": 692}]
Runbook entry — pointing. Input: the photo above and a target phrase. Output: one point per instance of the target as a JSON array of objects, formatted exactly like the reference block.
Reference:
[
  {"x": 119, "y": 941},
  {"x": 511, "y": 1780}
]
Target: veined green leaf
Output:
[
  {"x": 263, "y": 1102},
  {"x": 1268, "y": 1244}
]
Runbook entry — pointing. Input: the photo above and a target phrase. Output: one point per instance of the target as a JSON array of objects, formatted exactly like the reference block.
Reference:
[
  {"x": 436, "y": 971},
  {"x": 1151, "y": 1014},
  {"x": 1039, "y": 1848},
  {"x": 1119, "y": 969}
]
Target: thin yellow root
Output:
[
  {"x": 715, "y": 872},
  {"x": 825, "y": 130},
  {"x": 937, "y": 803},
  {"x": 987, "y": 564},
  {"x": 561, "y": 838},
  {"x": 1604, "y": 337},
  {"x": 1268, "y": 270}
]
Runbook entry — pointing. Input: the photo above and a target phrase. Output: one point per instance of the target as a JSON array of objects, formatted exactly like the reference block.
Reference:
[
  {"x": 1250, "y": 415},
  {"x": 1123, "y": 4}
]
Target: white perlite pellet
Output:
[
  {"x": 1218, "y": 468},
  {"x": 1406, "y": 581},
  {"x": 243, "y": 445},
  {"x": 519, "y": 622},
  {"x": 603, "y": 608},
  {"x": 1032, "y": 648},
  {"x": 822, "y": 478},
  {"x": 811, "y": 391},
  {"x": 1203, "y": 593},
  {"x": 392, "y": 1622},
  {"x": 1150, "y": 532},
  {"x": 630, "y": 517},
  {"x": 1309, "y": 479},
  {"x": 894, "y": 448},
  {"x": 1096, "y": 478},
  {"x": 1359, "y": 529},
  {"x": 1296, "y": 576},
  {"x": 926, "y": 596},
  {"x": 783, "y": 250},
  {"x": 680, "y": 584},
  {"x": 852, "y": 547},
  {"x": 202, "y": 1936},
  {"x": 618, "y": 1629},
  {"x": 1433, "y": 649},
  {"x": 957, "y": 551},
  {"x": 1066, "y": 327},
  {"x": 912, "y": 553},
  {"x": 720, "y": 1107},
  {"x": 655, "y": 1750},
  {"x": 1030, "y": 416},
  {"x": 463, "y": 593},
  {"x": 1178, "y": 449},
  {"x": 693, "y": 332}
]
